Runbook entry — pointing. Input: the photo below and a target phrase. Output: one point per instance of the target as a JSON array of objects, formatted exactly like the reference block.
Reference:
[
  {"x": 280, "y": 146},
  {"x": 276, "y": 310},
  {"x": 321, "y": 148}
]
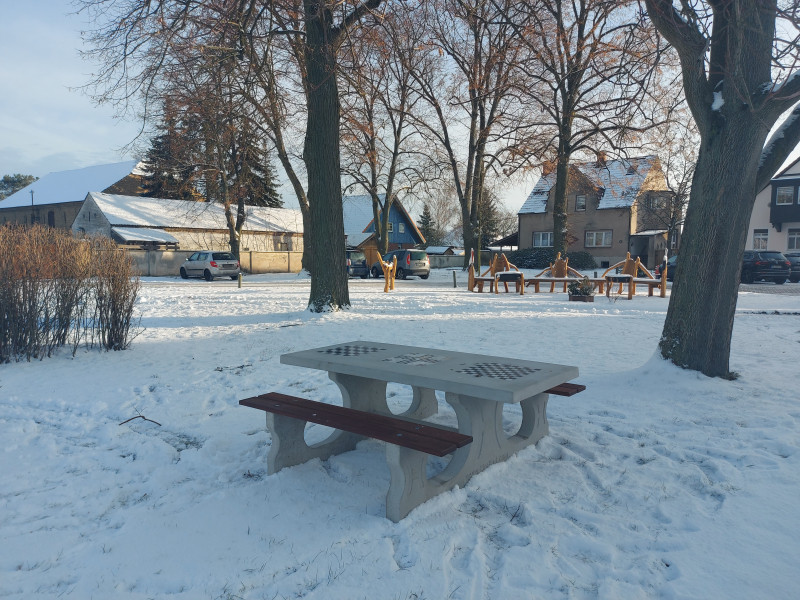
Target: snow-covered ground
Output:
[{"x": 653, "y": 483}]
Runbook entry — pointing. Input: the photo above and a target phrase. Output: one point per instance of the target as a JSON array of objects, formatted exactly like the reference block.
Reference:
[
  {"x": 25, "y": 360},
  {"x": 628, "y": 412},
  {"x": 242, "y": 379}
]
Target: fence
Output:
[{"x": 165, "y": 263}]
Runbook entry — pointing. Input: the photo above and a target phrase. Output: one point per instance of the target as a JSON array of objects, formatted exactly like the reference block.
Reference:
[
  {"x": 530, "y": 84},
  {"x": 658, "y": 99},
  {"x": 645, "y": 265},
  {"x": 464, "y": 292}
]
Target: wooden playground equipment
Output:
[
  {"x": 389, "y": 271},
  {"x": 629, "y": 275},
  {"x": 500, "y": 271}
]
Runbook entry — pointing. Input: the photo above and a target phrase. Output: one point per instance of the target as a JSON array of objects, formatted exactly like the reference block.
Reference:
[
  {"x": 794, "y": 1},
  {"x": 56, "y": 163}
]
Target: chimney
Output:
[{"x": 601, "y": 159}]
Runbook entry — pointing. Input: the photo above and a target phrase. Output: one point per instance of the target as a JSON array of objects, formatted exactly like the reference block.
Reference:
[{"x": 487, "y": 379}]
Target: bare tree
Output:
[
  {"x": 739, "y": 76},
  {"x": 383, "y": 153},
  {"x": 467, "y": 79},
  {"x": 590, "y": 68},
  {"x": 676, "y": 143},
  {"x": 134, "y": 41}
]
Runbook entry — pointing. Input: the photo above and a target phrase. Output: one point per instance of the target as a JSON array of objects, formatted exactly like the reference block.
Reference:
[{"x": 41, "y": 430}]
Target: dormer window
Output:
[{"x": 580, "y": 203}]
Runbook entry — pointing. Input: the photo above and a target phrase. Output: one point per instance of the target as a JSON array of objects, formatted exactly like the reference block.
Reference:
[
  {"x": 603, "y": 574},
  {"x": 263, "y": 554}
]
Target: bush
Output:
[
  {"x": 57, "y": 291},
  {"x": 541, "y": 258}
]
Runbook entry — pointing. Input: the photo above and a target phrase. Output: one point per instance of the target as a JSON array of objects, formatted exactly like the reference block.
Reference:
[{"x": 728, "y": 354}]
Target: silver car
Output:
[{"x": 208, "y": 265}]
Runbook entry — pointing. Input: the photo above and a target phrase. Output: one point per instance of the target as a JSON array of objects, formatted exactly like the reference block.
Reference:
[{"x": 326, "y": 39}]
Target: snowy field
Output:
[{"x": 653, "y": 483}]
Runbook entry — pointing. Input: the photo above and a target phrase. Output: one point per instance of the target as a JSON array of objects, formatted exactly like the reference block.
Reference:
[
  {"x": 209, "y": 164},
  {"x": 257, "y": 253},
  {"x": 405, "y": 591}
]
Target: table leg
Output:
[
  {"x": 483, "y": 420},
  {"x": 369, "y": 395},
  {"x": 289, "y": 447}
]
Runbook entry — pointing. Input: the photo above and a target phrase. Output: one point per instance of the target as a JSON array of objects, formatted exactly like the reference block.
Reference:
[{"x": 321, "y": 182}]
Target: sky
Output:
[{"x": 46, "y": 124}]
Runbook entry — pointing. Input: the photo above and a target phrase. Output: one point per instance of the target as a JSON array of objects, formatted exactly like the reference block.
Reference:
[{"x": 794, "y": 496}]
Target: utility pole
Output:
[{"x": 33, "y": 213}]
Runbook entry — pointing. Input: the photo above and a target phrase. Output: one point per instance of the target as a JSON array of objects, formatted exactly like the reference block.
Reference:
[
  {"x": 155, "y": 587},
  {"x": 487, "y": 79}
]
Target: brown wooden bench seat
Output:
[
  {"x": 566, "y": 389},
  {"x": 430, "y": 439}
]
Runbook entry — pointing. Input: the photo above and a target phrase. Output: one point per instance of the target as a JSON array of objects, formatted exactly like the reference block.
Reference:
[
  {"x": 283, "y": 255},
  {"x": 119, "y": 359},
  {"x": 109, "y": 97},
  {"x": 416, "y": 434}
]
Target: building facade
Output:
[
  {"x": 775, "y": 220},
  {"x": 613, "y": 207}
]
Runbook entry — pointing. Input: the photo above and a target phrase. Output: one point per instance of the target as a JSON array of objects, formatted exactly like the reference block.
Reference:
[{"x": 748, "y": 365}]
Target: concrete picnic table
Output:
[{"x": 475, "y": 385}]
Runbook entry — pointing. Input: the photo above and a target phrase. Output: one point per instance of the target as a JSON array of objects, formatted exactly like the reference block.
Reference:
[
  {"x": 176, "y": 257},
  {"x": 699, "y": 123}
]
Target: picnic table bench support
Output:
[
  {"x": 483, "y": 441},
  {"x": 482, "y": 420}
]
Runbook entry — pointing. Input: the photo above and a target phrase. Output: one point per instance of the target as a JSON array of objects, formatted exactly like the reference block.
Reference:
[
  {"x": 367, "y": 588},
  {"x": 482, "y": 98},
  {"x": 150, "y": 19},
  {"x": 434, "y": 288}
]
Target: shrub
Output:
[
  {"x": 57, "y": 291},
  {"x": 541, "y": 258}
]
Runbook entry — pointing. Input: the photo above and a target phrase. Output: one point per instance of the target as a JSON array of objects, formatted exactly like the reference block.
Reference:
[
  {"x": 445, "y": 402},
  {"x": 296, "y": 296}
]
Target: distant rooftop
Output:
[
  {"x": 620, "y": 181},
  {"x": 71, "y": 186}
]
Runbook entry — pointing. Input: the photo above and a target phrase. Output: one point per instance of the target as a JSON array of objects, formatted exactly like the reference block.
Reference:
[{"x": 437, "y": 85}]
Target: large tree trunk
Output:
[
  {"x": 321, "y": 153},
  {"x": 699, "y": 324},
  {"x": 560, "y": 202}
]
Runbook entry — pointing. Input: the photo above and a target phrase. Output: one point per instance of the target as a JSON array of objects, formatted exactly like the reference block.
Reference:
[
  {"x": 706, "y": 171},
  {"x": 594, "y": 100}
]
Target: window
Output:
[
  {"x": 542, "y": 239},
  {"x": 760, "y": 239},
  {"x": 657, "y": 202},
  {"x": 580, "y": 203},
  {"x": 794, "y": 239},
  {"x": 598, "y": 239},
  {"x": 784, "y": 195},
  {"x": 401, "y": 227},
  {"x": 389, "y": 227}
]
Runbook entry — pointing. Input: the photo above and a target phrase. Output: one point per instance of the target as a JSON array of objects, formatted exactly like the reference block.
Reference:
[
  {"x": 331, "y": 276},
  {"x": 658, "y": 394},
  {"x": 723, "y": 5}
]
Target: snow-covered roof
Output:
[
  {"x": 70, "y": 186},
  {"x": 439, "y": 249},
  {"x": 142, "y": 234},
  {"x": 356, "y": 239},
  {"x": 619, "y": 181},
  {"x": 137, "y": 211},
  {"x": 357, "y": 212},
  {"x": 651, "y": 232}
]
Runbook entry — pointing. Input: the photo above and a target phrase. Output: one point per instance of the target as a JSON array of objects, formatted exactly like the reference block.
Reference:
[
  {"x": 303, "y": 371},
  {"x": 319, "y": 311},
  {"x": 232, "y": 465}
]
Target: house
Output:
[
  {"x": 775, "y": 220},
  {"x": 359, "y": 226},
  {"x": 56, "y": 198},
  {"x": 613, "y": 207},
  {"x": 135, "y": 221}
]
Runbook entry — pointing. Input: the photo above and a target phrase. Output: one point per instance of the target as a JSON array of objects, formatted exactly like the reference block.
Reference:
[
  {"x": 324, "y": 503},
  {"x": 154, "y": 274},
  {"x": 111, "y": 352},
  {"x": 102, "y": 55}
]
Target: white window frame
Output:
[
  {"x": 784, "y": 188},
  {"x": 793, "y": 239},
  {"x": 590, "y": 238},
  {"x": 582, "y": 203},
  {"x": 401, "y": 227},
  {"x": 760, "y": 239},
  {"x": 542, "y": 236},
  {"x": 390, "y": 227}
]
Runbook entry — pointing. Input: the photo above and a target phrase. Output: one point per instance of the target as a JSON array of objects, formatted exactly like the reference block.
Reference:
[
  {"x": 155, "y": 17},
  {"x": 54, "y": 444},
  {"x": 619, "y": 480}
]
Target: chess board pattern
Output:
[
  {"x": 497, "y": 370},
  {"x": 350, "y": 350},
  {"x": 415, "y": 359}
]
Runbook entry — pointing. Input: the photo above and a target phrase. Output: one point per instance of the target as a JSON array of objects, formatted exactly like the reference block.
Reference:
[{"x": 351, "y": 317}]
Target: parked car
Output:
[
  {"x": 765, "y": 264},
  {"x": 672, "y": 263},
  {"x": 357, "y": 264},
  {"x": 794, "y": 258},
  {"x": 208, "y": 265},
  {"x": 409, "y": 262}
]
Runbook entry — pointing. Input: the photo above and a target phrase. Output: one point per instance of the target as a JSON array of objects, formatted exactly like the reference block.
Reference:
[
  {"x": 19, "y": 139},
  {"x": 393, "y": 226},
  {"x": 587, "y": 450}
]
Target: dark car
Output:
[
  {"x": 357, "y": 264},
  {"x": 794, "y": 258},
  {"x": 767, "y": 265},
  {"x": 672, "y": 264},
  {"x": 409, "y": 262}
]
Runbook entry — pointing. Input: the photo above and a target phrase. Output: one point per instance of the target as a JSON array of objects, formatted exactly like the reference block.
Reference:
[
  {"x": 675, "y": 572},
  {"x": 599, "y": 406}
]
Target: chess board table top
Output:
[{"x": 501, "y": 379}]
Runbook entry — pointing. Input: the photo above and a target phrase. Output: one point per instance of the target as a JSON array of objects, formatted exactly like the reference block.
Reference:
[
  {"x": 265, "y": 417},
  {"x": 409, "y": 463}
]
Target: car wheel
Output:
[
  {"x": 376, "y": 272},
  {"x": 780, "y": 280},
  {"x": 401, "y": 274},
  {"x": 208, "y": 276},
  {"x": 184, "y": 274},
  {"x": 425, "y": 276},
  {"x": 747, "y": 277}
]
